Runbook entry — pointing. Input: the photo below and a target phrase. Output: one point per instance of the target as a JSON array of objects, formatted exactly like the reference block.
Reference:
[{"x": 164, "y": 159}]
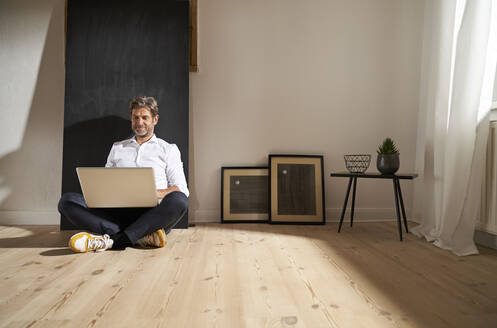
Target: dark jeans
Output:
[{"x": 134, "y": 222}]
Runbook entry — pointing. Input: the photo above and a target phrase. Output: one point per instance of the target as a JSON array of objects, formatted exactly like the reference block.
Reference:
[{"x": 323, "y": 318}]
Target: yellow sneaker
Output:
[
  {"x": 154, "y": 239},
  {"x": 83, "y": 242}
]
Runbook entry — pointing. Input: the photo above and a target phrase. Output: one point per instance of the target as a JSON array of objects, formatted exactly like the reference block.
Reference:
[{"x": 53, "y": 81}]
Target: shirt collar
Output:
[{"x": 133, "y": 140}]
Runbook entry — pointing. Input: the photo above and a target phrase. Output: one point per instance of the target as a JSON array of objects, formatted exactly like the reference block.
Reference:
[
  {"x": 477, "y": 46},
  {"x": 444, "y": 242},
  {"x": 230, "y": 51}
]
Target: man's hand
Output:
[{"x": 161, "y": 193}]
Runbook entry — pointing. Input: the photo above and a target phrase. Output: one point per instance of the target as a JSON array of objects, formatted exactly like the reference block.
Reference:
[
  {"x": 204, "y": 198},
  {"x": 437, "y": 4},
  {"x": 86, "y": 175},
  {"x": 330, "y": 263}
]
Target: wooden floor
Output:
[{"x": 246, "y": 275}]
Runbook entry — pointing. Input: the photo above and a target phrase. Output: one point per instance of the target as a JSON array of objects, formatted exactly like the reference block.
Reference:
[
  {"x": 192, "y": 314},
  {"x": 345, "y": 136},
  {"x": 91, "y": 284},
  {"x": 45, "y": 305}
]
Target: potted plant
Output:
[{"x": 388, "y": 161}]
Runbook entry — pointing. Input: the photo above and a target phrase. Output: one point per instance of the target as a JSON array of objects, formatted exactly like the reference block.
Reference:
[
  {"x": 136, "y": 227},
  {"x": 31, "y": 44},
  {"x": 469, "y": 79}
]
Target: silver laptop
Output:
[{"x": 118, "y": 187}]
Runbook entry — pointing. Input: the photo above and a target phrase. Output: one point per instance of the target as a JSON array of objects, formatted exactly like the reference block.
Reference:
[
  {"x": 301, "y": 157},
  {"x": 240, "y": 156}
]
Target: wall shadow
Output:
[
  {"x": 87, "y": 144},
  {"x": 31, "y": 173}
]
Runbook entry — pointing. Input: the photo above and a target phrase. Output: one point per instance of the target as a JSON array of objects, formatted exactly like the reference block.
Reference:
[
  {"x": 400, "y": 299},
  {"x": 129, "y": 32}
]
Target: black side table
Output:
[{"x": 396, "y": 190}]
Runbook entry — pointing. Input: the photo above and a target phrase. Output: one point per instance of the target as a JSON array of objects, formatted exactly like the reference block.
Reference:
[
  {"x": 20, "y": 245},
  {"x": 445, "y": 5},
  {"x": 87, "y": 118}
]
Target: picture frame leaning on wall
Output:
[
  {"x": 296, "y": 189},
  {"x": 244, "y": 194}
]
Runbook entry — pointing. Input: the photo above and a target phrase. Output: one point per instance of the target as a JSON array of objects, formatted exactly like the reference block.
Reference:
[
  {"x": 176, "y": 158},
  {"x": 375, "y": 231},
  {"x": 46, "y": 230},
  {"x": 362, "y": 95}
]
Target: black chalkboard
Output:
[{"x": 117, "y": 50}]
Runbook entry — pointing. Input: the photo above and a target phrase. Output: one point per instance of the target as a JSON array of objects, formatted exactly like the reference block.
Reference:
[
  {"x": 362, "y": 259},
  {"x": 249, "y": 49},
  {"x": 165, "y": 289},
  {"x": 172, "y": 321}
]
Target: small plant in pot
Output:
[{"x": 388, "y": 161}]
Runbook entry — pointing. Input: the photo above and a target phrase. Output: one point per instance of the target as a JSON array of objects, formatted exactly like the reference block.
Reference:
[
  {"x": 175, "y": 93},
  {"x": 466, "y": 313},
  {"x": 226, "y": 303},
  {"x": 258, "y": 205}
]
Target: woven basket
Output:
[{"x": 357, "y": 163}]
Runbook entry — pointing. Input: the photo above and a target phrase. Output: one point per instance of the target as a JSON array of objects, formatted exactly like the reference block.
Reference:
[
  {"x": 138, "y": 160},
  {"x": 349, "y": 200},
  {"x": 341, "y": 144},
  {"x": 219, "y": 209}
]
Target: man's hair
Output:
[{"x": 144, "y": 102}]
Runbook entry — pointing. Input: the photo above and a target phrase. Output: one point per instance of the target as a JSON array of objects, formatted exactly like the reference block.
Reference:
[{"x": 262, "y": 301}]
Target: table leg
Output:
[
  {"x": 395, "y": 181},
  {"x": 353, "y": 201},
  {"x": 345, "y": 204},
  {"x": 402, "y": 205}
]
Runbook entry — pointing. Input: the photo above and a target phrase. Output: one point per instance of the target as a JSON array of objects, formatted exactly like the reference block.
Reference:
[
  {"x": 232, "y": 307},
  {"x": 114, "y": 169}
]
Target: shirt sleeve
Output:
[
  {"x": 111, "y": 158},
  {"x": 174, "y": 170}
]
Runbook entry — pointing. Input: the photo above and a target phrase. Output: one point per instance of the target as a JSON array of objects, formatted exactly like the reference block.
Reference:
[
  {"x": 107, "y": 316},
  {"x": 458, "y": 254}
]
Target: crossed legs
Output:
[{"x": 133, "y": 223}]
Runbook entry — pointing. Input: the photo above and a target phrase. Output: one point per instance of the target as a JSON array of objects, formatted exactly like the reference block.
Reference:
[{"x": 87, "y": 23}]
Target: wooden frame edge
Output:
[{"x": 193, "y": 22}]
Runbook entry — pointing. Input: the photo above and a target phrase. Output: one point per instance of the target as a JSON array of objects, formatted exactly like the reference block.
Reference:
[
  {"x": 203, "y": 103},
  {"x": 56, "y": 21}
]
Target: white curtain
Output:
[{"x": 457, "y": 77}]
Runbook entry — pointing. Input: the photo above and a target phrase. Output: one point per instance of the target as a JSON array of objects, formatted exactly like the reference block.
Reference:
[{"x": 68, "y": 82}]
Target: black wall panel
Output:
[{"x": 115, "y": 51}]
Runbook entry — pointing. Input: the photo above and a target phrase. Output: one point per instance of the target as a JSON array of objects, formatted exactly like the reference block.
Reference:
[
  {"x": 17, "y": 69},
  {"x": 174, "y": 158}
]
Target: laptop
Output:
[{"x": 118, "y": 186}]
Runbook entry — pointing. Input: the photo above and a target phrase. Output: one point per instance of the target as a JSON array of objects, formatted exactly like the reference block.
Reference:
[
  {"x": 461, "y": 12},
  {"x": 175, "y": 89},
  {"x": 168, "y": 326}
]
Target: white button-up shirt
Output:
[{"x": 164, "y": 158}]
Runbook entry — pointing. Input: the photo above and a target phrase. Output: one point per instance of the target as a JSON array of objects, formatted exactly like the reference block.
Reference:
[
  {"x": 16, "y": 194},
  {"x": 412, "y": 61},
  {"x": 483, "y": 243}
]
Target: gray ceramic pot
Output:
[{"x": 388, "y": 164}]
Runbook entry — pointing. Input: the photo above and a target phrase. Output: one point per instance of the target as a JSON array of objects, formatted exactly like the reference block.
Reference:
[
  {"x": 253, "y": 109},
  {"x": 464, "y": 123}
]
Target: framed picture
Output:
[
  {"x": 296, "y": 189},
  {"x": 244, "y": 194}
]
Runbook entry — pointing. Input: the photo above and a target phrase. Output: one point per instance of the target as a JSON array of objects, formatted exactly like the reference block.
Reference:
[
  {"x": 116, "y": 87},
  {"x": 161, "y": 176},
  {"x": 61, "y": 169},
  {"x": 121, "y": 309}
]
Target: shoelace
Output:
[
  {"x": 98, "y": 243},
  {"x": 149, "y": 239}
]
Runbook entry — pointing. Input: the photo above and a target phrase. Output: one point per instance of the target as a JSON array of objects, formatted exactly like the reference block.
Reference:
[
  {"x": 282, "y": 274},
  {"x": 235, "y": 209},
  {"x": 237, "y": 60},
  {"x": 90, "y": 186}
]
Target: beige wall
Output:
[
  {"x": 495, "y": 89},
  {"x": 324, "y": 77},
  {"x": 31, "y": 109},
  {"x": 305, "y": 77}
]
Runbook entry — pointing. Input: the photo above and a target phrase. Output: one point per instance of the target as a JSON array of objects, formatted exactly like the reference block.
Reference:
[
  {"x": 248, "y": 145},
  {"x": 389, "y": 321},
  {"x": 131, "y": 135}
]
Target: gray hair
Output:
[{"x": 144, "y": 102}]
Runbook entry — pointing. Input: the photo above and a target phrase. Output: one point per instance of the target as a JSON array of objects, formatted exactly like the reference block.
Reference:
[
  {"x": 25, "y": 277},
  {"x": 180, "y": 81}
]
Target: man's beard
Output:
[{"x": 140, "y": 134}]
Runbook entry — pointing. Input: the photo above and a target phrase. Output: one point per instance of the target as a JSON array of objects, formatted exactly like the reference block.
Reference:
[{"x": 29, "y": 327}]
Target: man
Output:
[{"x": 118, "y": 228}]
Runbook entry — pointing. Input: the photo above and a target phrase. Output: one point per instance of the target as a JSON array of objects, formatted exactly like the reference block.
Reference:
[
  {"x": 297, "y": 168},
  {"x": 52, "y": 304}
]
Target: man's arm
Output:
[
  {"x": 174, "y": 171},
  {"x": 110, "y": 158},
  {"x": 161, "y": 193}
]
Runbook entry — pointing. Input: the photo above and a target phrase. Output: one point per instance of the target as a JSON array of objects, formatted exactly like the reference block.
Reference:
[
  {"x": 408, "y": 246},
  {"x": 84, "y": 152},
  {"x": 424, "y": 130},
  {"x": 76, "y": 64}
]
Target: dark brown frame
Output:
[{"x": 193, "y": 36}]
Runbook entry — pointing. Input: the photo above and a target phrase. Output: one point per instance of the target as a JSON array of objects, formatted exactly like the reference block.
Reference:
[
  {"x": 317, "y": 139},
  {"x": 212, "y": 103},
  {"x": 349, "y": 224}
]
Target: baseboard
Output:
[
  {"x": 363, "y": 214},
  {"x": 29, "y": 217},
  {"x": 206, "y": 216},
  {"x": 200, "y": 216},
  {"x": 485, "y": 239},
  {"x": 332, "y": 215}
]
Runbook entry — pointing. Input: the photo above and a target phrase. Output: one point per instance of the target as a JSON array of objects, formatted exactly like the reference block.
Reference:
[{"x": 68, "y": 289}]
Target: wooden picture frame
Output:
[
  {"x": 193, "y": 36},
  {"x": 244, "y": 194},
  {"x": 296, "y": 189}
]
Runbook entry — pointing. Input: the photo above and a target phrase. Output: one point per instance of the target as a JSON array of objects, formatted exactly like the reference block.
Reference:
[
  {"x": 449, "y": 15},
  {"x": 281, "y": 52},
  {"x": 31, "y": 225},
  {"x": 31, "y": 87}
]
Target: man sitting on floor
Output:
[{"x": 118, "y": 228}]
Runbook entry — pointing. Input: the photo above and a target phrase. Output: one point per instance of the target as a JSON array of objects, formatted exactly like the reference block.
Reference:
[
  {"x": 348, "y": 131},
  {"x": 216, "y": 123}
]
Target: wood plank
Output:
[
  {"x": 246, "y": 275},
  {"x": 419, "y": 289}
]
